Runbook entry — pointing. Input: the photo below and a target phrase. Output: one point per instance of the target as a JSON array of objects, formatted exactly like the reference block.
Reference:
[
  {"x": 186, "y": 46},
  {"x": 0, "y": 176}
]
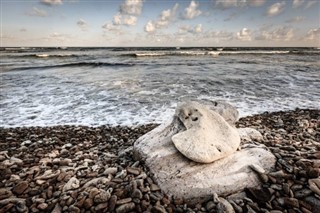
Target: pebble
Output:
[
  {"x": 20, "y": 187},
  {"x": 70, "y": 168},
  {"x": 127, "y": 207}
]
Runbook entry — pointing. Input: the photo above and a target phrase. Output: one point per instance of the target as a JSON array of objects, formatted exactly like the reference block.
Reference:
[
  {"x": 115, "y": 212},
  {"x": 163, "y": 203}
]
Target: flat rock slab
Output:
[{"x": 180, "y": 177}]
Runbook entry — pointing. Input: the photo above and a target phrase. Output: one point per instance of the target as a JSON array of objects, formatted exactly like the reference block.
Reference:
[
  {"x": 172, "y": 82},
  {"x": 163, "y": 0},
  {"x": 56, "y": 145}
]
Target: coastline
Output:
[{"x": 79, "y": 168}]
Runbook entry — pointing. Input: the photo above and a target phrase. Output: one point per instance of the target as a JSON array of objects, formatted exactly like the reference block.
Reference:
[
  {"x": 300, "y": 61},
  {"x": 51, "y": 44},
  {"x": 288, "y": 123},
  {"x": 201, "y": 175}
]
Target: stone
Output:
[
  {"x": 5, "y": 193},
  {"x": 250, "y": 134},
  {"x": 20, "y": 187},
  {"x": 226, "y": 110},
  {"x": 73, "y": 183},
  {"x": 178, "y": 176},
  {"x": 313, "y": 202},
  {"x": 127, "y": 207},
  {"x": 208, "y": 137},
  {"x": 224, "y": 206},
  {"x": 103, "y": 196},
  {"x": 314, "y": 185}
]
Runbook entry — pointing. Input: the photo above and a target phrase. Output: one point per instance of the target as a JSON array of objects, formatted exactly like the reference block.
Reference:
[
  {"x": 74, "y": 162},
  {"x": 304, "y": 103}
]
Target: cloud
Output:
[
  {"x": 167, "y": 16},
  {"x": 37, "y": 12},
  {"x": 313, "y": 34},
  {"x": 51, "y": 2},
  {"x": 128, "y": 15},
  {"x": 163, "y": 21},
  {"x": 149, "y": 27},
  {"x": 130, "y": 20},
  {"x": 191, "y": 11},
  {"x": 131, "y": 7},
  {"x": 277, "y": 34},
  {"x": 220, "y": 36},
  {"x": 296, "y": 19},
  {"x": 82, "y": 24},
  {"x": 297, "y": 3},
  {"x": 111, "y": 27},
  {"x": 276, "y": 9},
  {"x": 117, "y": 19},
  {"x": 244, "y": 34},
  {"x": 226, "y": 4},
  {"x": 183, "y": 30},
  {"x": 311, "y": 3},
  {"x": 23, "y": 30},
  {"x": 256, "y": 3}
]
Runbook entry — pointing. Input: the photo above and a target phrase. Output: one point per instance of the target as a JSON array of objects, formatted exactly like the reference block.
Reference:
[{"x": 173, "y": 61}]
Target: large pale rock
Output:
[
  {"x": 207, "y": 137},
  {"x": 226, "y": 110},
  {"x": 179, "y": 176}
]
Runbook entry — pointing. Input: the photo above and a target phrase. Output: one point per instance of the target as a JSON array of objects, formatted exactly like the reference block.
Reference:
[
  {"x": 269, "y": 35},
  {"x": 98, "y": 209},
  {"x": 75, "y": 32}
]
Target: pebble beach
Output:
[{"x": 91, "y": 169}]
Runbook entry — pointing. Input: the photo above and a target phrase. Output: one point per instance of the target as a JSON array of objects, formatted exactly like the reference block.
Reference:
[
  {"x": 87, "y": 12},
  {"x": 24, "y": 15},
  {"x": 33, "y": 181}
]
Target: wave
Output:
[
  {"x": 217, "y": 53},
  {"x": 79, "y": 64}
]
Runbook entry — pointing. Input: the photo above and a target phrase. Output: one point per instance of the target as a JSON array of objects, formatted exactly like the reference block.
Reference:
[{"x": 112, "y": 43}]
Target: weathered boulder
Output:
[
  {"x": 207, "y": 137},
  {"x": 179, "y": 176},
  {"x": 226, "y": 110}
]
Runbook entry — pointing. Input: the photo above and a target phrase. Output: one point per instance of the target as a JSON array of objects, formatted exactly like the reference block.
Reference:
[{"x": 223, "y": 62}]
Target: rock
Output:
[
  {"x": 313, "y": 202},
  {"x": 224, "y": 206},
  {"x": 5, "y": 193},
  {"x": 178, "y": 176},
  {"x": 112, "y": 203},
  {"x": 260, "y": 195},
  {"x": 136, "y": 194},
  {"x": 42, "y": 206},
  {"x": 226, "y": 110},
  {"x": 127, "y": 207},
  {"x": 249, "y": 134},
  {"x": 88, "y": 203},
  {"x": 208, "y": 137},
  {"x": 103, "y": 196},
  {"x": 158, "y": 209},
  {"x": 314, "y": 185},
  {"x": 112, "y": 170},
  {"x": 20, "y": 187},
  {"x": 73, "y": 183}
]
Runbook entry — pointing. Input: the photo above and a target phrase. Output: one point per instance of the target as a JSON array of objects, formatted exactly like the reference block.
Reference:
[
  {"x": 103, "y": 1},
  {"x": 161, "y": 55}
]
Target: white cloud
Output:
[
  {"x": 167, "y": 16},
  {"x": 117, "y": 19},
  {"x": 276, "y": 9},
  {"x": 311, "y": 3},
  {"x": 296, "y": 19},
  {"x": 37, "y": 12},
  {"x": 314, "y": 34},
  {"x": 220, "y": 36},
  {"x": 111, "y": 27},
  {"x": 256, "y": 3},
  {"x": 128, "y": 14},
  {"x": 297, "y": 3},
  {"x": 244, "y": 34},
  {"x": 192, "y": 11},
  {"x": 198, "y": 28},
  {"x": 278, "y": 34},
  {"x": 130, "y": 20},
  {"x": 51, "y": 2},
  {"x": 164, "y": 19},
  {"x": 225, "y": 4},
  {"x": 131, "y": 7},
  {"x": 82, "y": 24},
  {"x": 183, "y": 30},
  {"x": 150, "y": 27}
]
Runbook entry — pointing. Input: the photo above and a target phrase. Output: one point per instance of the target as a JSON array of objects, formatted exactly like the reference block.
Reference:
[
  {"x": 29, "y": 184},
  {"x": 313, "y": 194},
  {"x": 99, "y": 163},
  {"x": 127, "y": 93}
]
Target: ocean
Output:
[{"x": 133, "y": 86}]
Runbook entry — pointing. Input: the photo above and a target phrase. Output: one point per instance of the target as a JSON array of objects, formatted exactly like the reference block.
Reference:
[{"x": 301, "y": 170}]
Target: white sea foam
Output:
[{"x": 149, "y": 91}]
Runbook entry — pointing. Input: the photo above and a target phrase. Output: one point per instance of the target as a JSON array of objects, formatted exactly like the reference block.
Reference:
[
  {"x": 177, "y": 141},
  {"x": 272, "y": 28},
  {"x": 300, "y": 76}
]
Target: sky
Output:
[{"x": 109, "y": 23}]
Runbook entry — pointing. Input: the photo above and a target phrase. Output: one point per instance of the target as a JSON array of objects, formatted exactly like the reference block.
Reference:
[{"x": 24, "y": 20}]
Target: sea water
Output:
[{"x": 132, "y": 86}]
